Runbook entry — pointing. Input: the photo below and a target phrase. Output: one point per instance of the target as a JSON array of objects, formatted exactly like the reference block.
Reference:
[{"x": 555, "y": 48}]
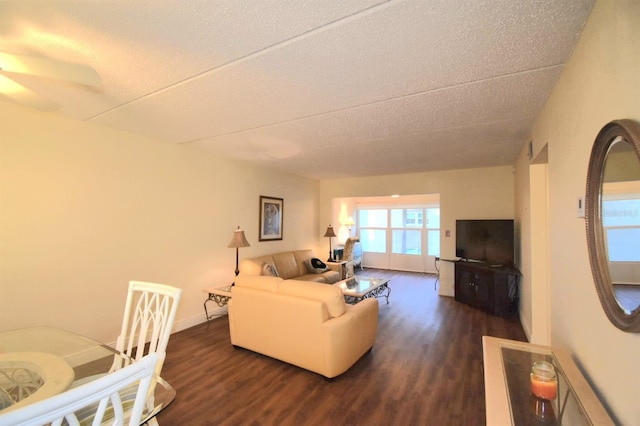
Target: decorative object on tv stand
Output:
[
  {"x": 238, "y": 240},
  {"x": 330, "y": 233}
]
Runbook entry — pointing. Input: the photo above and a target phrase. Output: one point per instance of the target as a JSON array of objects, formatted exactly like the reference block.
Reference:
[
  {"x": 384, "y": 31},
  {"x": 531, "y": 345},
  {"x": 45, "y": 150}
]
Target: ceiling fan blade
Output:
[
  {"x": 50, "y": 68},
  {"x": 16, "y": 92}
]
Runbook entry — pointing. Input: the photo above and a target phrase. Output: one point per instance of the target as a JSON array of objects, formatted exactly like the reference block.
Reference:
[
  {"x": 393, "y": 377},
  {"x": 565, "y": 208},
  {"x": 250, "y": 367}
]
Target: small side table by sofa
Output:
[
  {"x": 219, "y": 294},
  {"x": 339, "y": 266}
]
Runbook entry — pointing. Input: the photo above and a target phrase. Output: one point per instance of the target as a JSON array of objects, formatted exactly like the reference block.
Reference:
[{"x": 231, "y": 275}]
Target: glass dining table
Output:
[{"x": 39, "y": 362}]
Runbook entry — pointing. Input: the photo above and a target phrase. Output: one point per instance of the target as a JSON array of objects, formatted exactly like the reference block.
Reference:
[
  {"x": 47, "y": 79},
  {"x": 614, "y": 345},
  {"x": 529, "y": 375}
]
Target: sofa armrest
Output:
[{"x": 350, "y": 335}]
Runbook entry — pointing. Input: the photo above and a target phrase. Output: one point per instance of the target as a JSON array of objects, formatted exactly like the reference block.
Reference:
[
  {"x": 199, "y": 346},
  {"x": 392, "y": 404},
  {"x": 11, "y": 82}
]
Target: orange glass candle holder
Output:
[{"x": 544, "y": 383}]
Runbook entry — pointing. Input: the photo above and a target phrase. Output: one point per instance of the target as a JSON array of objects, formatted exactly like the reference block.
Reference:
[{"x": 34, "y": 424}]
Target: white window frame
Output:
[{"x": 422, "y": 262}]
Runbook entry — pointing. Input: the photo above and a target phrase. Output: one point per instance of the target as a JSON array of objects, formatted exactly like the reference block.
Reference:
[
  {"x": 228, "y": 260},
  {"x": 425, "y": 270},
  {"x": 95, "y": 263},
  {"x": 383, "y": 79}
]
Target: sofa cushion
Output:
[
  {"x": 254, "y": 266},
  {"x": 286, "y": 264},
  {"x": 330, "y": 295},
  {"x": 301, "y": 256},
  {"x": 258, "y": 282},
  {"x": 285, "y": 267},
  {"x": 316, "y": 278}
]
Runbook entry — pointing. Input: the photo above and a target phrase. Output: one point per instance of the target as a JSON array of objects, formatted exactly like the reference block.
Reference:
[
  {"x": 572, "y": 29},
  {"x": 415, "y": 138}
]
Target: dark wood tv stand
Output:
[{"x": 493, "y": 289}]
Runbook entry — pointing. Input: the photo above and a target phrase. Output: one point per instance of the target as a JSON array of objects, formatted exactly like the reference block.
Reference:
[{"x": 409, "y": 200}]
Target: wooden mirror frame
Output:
[{"x": 630, "y": 131}]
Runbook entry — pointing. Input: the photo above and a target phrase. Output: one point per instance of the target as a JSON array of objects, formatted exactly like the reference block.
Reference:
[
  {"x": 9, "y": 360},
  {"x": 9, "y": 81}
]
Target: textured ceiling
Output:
[{"x": 318, "y": 88}]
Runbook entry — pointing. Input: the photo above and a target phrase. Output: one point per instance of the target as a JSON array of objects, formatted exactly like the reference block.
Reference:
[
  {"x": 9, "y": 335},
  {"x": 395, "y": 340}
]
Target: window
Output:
[
  {"x": 405, "y": 238},
  {"x": 433, "y": 231},
  {"x": 621, "y": 221},
  {"x": 374, "y": 240},
  {"x": 406, "y": 242},
  {"x": 373, "y": 218},
  {"x": 373, "y": 230},
  {"x": 408, "y": 229},
  {"x": 407, "y": 218}
]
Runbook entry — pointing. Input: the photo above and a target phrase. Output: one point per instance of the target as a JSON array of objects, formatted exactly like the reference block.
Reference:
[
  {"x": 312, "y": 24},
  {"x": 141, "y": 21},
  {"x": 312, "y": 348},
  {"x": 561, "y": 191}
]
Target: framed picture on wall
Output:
[{"x": 271, "y": 212}]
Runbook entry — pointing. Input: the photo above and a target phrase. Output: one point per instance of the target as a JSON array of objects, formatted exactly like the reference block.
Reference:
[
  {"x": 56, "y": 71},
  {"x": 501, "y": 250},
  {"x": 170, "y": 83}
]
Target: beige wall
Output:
[
  {"x": 484, "y": 193},
  {"x": 84, "y": 209},
  {"x": 600, "y": 83}
]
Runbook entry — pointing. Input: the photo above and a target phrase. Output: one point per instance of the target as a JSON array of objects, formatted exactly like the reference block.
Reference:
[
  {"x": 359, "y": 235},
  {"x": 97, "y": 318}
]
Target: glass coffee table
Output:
[{"x": 356, "y": 289}]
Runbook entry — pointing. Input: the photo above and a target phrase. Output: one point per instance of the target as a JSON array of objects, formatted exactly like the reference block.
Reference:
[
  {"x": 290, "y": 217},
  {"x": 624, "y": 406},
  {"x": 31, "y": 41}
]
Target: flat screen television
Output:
[{"x": 488, "y": 241}]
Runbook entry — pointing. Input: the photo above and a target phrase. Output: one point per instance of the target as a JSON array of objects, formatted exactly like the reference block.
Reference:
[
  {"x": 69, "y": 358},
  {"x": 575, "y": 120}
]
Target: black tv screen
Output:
[{"x": 489, "y": 241}]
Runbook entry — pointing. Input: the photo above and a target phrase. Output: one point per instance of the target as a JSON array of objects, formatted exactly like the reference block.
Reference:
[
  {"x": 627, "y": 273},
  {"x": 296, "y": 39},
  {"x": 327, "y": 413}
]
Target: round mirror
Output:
[{"x": 613, "y": 221}]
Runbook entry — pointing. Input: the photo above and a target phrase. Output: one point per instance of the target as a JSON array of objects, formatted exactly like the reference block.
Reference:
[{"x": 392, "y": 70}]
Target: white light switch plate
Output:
[{"x": 580, "y": 206}]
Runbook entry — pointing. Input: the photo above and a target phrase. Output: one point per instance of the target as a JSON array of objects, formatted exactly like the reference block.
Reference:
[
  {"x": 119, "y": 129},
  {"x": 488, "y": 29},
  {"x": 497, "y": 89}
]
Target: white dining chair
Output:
[
  {"x": 97, "y": 401},
  {"x": 149, "y": 313}
]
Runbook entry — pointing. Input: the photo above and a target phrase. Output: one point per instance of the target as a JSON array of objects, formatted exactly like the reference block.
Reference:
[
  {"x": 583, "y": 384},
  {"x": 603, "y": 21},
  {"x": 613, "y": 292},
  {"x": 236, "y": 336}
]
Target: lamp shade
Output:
[
  {"x": 330, "y": 232},
  {"x": 238, "y": 240}
]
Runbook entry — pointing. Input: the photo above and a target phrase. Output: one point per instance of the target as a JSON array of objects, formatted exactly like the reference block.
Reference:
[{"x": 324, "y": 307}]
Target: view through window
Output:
[
  {"x": 621, "y": 220},
  {"x": 400, "y": 230}
]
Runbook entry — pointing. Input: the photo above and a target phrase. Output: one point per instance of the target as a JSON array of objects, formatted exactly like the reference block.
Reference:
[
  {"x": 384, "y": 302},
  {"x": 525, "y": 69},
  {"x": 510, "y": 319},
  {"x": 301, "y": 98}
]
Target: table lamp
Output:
[
  {"x": 330, "y": 234},
  {"x": 238, "y": 241},
  {"x": 349, "y": 224}
]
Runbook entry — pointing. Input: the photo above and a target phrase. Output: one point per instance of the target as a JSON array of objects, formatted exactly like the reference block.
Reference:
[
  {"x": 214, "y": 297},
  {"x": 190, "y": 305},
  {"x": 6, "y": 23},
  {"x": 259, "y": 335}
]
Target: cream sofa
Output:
[
  {"x": 303, "y": 323},
  {"x": 289, "y": 265}
]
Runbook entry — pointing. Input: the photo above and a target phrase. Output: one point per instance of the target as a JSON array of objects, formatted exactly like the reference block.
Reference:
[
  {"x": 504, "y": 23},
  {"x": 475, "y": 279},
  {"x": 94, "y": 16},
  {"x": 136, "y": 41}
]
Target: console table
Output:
[{"x": 507, "y": 388}]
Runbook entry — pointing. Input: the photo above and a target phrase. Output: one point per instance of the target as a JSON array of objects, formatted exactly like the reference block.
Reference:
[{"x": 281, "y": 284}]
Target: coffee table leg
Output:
[
  {"x": 379, "y": 292},
  {"x": 388, "y": 292},
  {"x": 352, "y": 300}
]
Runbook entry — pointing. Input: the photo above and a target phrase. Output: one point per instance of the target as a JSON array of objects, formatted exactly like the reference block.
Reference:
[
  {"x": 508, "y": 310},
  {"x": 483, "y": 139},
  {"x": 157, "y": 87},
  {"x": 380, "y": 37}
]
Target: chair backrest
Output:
[
  {"x": 348, "y": 255},
  {"x": 348, "y": 248},
  {"x": 148, "y": 319},
  {"x": 94, "y": 399}
]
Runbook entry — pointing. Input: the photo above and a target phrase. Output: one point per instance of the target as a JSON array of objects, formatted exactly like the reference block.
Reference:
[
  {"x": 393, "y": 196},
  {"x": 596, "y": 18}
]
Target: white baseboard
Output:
[
  {"x": 190, "y": 322},
  {"x": 197, "y": 319}
]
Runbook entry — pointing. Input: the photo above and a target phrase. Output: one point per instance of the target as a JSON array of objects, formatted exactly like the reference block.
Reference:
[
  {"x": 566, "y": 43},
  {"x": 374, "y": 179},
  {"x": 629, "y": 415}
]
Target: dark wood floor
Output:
[{"x": 425, "y": 369}]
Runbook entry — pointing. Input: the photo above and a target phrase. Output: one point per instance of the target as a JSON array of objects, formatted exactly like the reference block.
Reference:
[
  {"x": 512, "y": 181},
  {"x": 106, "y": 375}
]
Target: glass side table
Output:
[
  {"x": 508, "y": 396},
  {"x": 339, "y": 266},
  {"x": 220, "y": 294}
]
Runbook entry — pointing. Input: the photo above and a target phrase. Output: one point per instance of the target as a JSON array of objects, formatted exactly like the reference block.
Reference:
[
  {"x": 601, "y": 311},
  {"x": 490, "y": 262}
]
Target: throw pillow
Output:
[
  {"x": 269, "y": 270},
  {"x": 316, "y": 266},
  {"x": 317, "y": 263}
]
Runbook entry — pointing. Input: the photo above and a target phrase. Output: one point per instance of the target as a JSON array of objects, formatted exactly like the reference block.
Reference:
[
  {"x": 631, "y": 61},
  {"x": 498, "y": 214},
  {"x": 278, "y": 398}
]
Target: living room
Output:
[{"x": 75, "y": 229}]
